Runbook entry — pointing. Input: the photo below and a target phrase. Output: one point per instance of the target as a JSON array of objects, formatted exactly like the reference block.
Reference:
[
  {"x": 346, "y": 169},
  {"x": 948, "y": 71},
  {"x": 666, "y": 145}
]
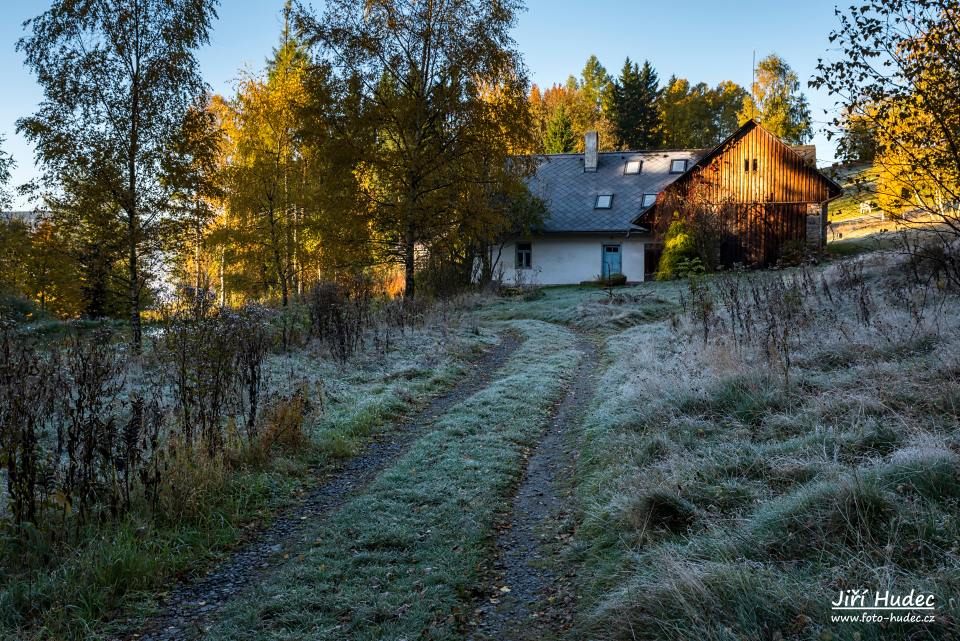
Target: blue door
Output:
[{"x": 611, "y": 261}]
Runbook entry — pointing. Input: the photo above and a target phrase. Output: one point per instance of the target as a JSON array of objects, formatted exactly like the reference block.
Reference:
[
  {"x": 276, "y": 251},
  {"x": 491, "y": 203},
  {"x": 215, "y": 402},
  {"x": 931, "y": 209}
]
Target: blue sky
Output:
[{"x": 702, "y": 40}]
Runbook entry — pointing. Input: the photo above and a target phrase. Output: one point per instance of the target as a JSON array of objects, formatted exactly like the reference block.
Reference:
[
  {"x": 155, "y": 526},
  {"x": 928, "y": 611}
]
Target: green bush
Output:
[
  {"x": 678, "y": 251},
  {"x": 616, "y": 279}
]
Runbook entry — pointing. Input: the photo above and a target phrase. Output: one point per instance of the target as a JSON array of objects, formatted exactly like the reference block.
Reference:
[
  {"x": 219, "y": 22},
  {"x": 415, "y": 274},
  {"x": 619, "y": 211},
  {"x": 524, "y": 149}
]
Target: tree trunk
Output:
[
  {"x": 223, "y": 285},
  {"x": 409, "y": 259},
  {"x": 278, "y": 261},
  {"x": 198, "y": 295},
  {"x": 134, "y": 275},
  {"x": 133, "y": 222}
]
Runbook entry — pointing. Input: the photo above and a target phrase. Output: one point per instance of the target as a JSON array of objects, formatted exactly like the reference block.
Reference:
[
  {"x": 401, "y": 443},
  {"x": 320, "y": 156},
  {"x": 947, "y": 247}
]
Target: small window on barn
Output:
[
  {"x": 746, "y": 165},
  {"x": 754, "y": 164},
  {"x": 604, "y": 201},
  {"x": 678, "y": 166},
  {"x": 524, "y": 255},
  {"x": 649, "y": 200},
  {"x": 632, "y": 167}
]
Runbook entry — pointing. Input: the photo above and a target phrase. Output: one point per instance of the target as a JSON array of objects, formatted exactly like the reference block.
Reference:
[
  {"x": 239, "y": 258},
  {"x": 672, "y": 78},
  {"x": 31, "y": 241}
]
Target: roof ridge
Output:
[{"x": 632, "y": 151}]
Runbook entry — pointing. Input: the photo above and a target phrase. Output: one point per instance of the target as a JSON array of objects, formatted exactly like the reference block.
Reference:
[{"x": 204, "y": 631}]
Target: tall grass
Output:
[
  {"x": 730, "y": 493},
  {"x": 146, "y": 467}
]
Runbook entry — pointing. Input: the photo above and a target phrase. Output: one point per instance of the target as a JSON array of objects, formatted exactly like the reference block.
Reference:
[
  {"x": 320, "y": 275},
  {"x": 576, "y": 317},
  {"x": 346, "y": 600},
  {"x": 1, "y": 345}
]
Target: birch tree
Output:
[
  {"x": 117, "y": 76},
  {"x": 6, "y": 165}
]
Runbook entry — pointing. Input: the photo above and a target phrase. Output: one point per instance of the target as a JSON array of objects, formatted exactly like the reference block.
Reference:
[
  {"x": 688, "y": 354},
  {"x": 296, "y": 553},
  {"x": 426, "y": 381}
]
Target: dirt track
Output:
[
  {"x": 534, "y": 598},
  {"x": 191, "y": 607}
]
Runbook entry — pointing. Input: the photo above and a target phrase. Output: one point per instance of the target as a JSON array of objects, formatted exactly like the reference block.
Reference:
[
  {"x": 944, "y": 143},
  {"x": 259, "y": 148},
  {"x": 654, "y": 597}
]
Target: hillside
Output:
[
  {"x": 712, "y": 459},
  {"x": 859, "y": 186}
]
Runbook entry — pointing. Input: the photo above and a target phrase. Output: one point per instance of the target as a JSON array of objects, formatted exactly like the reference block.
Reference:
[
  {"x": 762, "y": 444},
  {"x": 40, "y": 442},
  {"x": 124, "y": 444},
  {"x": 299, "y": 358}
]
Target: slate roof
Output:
[{"x": 570, "y": 193}]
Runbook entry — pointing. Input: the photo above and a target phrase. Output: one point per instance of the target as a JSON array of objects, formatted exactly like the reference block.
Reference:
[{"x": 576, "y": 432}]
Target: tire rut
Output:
[
  {"x": 532, "y": 601},
  {"x": 191, "y": 607}
]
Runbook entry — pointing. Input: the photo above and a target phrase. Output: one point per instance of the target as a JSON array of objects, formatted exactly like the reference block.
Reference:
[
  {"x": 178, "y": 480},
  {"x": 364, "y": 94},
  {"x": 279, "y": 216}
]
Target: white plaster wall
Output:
[{"x": 568, "y": 260}]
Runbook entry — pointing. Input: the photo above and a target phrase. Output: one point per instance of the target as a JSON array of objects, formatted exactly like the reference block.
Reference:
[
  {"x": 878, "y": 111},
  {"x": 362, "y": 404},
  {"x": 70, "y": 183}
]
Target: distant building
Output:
[{"x": 603, "y": 207}]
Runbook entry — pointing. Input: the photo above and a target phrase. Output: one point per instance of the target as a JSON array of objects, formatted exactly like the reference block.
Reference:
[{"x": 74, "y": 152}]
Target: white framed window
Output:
[
  {"x": 649, "y": 200},
  {"x": 524, "y": 256},
  {"x": 632, "y": 167},
  {"x": 604, "y": 201},
  {"x": 678, "y": 166}
]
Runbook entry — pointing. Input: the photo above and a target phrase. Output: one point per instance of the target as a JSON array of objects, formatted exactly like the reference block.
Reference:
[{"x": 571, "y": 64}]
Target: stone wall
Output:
[{"x": 815, "y": 226}]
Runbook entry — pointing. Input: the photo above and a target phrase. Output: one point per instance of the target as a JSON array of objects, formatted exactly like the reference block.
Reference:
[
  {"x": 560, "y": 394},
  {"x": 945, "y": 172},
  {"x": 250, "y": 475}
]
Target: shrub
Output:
[
  {"x": 339, "y": 314},
  {"x": 27, "y": 398},
  {"x": 213, "y": 365},
  {"x": 77, "y": 442},
  {"x": 677, "y": 246},
  {"x": 616, "y": 279},
  {"x": 687, "y": 267},
  {"x": 282, "y": 429}
]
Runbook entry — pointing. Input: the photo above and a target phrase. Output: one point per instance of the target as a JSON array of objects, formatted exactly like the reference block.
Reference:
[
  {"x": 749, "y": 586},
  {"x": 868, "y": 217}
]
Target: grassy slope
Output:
[
  {"x": 859, "y": 186},
  {"x": 718, "y": 506},
  {"x": 121, "y": 566},
  {"x": 407, "y": 557}
]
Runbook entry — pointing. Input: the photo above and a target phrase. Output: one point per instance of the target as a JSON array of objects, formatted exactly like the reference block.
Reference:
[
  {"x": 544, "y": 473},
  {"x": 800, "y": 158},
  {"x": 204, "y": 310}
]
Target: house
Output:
[{"x": 603, "y": 208}]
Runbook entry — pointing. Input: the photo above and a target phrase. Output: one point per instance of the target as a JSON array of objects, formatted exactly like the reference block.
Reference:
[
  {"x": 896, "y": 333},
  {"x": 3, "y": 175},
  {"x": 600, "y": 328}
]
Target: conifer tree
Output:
[
  {"x": 560, "y": 138},
  {"x": 636, "y": 113},
  {"x": 595, "y": 84}
]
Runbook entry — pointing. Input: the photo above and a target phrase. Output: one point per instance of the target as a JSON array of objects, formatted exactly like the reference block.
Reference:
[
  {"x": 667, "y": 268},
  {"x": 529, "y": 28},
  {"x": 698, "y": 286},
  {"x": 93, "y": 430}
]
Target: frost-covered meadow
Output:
[{"x": 724, "y": 499}]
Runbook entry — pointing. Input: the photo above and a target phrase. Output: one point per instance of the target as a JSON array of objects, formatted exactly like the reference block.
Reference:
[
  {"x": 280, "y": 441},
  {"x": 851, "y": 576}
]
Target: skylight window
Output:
[
  {"x": 649, "y": 200},
  {"x": 604, "y": 201},
  {"x": 632, "y": 167},
  {"x": 678, "y": 166}
]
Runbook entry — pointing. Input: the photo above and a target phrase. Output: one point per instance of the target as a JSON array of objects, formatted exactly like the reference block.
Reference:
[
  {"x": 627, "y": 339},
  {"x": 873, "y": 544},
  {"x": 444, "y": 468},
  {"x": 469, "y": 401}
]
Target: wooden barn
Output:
[
  {"x": 769, "y": 192},
  {"x": 606, "y": 211}
]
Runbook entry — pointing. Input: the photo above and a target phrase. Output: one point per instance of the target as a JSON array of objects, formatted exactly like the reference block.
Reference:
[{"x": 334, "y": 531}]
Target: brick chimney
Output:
[{"x": 591, "y": 145}]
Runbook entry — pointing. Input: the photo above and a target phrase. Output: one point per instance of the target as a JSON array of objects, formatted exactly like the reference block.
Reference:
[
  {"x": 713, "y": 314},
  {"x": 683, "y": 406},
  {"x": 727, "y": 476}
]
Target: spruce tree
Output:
[
  {"x": 648, "y": 129},
  {"x": 636, "y": 115},
  {"x": 560, "y": 138}
]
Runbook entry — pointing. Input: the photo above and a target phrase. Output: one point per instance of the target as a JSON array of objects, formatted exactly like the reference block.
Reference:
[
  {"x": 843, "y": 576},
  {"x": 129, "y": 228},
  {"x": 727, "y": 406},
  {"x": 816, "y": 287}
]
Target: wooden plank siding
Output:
[{"x": 767, "y": 187}]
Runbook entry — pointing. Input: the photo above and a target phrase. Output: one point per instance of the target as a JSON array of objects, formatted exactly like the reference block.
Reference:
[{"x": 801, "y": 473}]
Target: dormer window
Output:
[
  {"x": 678, "y": 166},
  {"x": 604, "y": 201},
  {"x": 632, "y": 167},
  {"x": 649, "y": 200}
]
